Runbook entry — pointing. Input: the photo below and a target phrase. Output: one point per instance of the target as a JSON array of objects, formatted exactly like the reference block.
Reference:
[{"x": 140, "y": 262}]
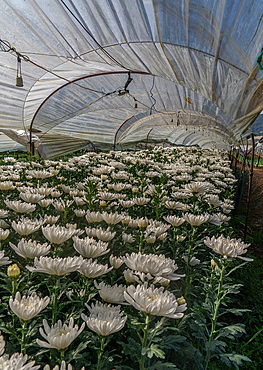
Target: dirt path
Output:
[{"x": 255, "y": 220}]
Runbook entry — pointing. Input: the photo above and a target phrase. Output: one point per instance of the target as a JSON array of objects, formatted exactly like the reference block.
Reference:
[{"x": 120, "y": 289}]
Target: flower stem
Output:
[
  {"x": 189, "y": 257},
  {"x": 23, "y": 339},
  {"x": 62, "y": 355},
  {"x": 144, "y": 342},
  {"x": 55, "y": 300},
  {"x": 100, "y": 352},
  {"x": 215, "y": 315},
  {"x": 141, "y": 241},
  {"x": 14, "y": 287}
]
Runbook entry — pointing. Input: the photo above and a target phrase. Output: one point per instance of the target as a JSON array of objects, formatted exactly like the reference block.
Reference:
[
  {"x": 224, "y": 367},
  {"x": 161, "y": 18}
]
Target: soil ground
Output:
[{"x": 255, "y": 218}]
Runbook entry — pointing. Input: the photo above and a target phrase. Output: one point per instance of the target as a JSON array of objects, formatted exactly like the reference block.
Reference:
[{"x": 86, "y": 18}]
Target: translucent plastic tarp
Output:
[{"x": 202, "y": 54}]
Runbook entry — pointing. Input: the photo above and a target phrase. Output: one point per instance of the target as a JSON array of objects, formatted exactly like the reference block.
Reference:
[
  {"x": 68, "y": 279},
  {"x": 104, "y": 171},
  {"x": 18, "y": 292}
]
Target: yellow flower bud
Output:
[
  {"x": 180, "y": 238},
  {"x": 103, "y": 203},
  {"x": 13, "y": 271},
  {"x": 213, "y": 264},
  {"x": 181, "y": 301}
]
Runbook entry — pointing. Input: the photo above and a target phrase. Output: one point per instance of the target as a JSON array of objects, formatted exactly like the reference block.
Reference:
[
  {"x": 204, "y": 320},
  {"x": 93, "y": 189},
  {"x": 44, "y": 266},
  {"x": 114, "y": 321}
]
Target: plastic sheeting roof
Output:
[{"x": 193, "y": 66}]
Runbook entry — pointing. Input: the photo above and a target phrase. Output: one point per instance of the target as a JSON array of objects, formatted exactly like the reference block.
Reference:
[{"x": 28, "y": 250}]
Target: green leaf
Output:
[
  {"x": 231, "y": 331},
  {"x": 154, "y": 350},
  {"x": 235, "y": 311},
  {"x": 162, "y": 366},
  {"x": 237, "y": 267},
  {"x": 233, "y": 358}
]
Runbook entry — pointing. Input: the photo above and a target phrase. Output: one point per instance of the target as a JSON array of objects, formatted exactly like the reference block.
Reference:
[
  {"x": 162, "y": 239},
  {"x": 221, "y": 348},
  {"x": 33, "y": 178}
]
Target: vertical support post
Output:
[
  {"x": 250, "y": 184},
  {"x": 258, "y": 161},
  {"x": 245, "y": 157},
  {"x": 31, "y": 144},
  {"x": 236, "y": 157},
  {"x": 231, "y": 157}
]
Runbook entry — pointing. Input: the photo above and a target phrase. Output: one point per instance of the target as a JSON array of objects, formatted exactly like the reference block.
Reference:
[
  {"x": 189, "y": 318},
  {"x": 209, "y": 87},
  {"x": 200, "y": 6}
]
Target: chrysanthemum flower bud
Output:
[
  {"x": 13, "y": 271},
  {"x": 103, "y": 203},
  {"x": 180, "y": 238},
  {"x": 213, "y": 264},
  {"x": 181, "y": 301}
]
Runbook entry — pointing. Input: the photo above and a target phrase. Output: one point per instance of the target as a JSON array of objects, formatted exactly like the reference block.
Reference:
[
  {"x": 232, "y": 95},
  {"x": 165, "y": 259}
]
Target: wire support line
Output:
[
  {"x": 93, "y": 38},
  {"x": 5, "y": 46},
  {"x": 151, "y": 95}
]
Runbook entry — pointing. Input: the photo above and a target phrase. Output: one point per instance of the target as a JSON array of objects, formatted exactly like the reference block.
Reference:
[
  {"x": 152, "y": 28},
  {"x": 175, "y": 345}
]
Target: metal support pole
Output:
[
  {"x": 249, "y": 184},
  {"x": 236, "y": 157},
  {"x": 244, "y": 158},
  {"x": 258, "y": 161}
]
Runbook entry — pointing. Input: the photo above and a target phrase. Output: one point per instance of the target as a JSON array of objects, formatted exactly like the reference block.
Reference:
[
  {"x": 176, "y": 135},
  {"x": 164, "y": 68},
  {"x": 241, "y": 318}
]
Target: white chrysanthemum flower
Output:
[
  {"x": 112, "y": 218},
  {"x": 222, "y": 217},
  {"x": 62, "y": 366},
  {"x": 130, "y": 277},
  {"x": 91, "y": 269},
  {"x": 213, "y": 200},
  {"x": 73, "y": 227},
  {"x": 79, "y": 201},
  {"x": 51, "y": 220},
  {"x": 141, "y": 201},
  {"x": 181, "y": 195},
  {"x": 4, "y": 234},
  {"x": 44, "y": 203},
  {"x": 196, "y": 187},
  {"x": 89, "y": 247},
  {"x": 60, "y": 205},
  {"x": 20, "y": 207},
  {"x": 27, "y": 307},
  {"x": 179, "y": 206},
  {"x": 17, "y": 362},
  {"x": 104, "y": 235},
  {"x": 94, "y": 217},
  {"x": 2, "y": 344},
  {"x": 30, "y": 249},
  {"x": 214, "y": 220},
  {"x": 106, "y": 196},
  {"x": 26, "y": 226},
  {"x": 126, "y": 204},
  {"x": 193, "y": 261},
  {"x": 104, "y": 319},
  {"x": 4, "y": 260},
  {"x": 111, "y": 294},
  {"x": 3, "y": 213},
  {"x": 194, "y": 220},
  {"x": 55, "y": 194},
  {"x": 115, "y": 262},
  {"x": 57, "y": 234},
  {"x": 56, "y": 266},
  {"x": 228, "y": 247},
  {"x": 59, "y": 336},
  {"x": 6, "y": 185},
  {"x": 174, "y": 220},
  {"x": 157, "y": 230},
  {"x": 128, "y": 238},
  {"x": 142, "y": 222},
  {"x": 31, "y": 198},
  {"x": 79, "y": 212},
  {"x": 39, "y": 174},
  {"x": 156, "y": 265},
  {"x": 154, "y": 301},
  {"x": 44, "y": 190}
]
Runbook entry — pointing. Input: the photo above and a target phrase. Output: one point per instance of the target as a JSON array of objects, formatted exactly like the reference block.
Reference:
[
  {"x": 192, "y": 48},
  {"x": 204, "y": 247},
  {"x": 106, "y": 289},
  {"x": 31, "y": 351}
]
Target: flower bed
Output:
[{"x": 119, "y": 260}]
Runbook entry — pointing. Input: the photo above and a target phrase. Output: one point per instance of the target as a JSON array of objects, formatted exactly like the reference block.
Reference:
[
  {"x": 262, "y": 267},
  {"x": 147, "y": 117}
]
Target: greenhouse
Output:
[{"x": 131, "y": 184}]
